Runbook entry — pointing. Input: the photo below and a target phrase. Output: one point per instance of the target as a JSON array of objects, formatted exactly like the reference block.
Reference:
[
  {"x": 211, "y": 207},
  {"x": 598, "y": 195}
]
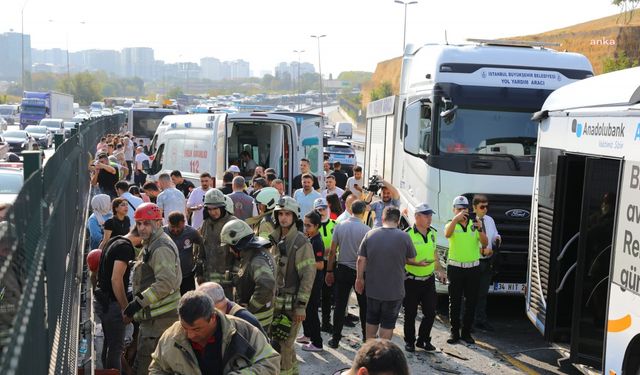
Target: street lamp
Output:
[
  {"x": 299, "y": 52},
  {"x": 404, "y": 36},
  {"x": 67, "y": 48},
  {"x": 22, "y": 43},
  {"x": 320, "y": 70}
]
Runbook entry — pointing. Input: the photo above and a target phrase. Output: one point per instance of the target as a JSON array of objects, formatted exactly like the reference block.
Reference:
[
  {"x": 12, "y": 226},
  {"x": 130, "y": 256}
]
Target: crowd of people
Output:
[{"x": 217, "y": 280}]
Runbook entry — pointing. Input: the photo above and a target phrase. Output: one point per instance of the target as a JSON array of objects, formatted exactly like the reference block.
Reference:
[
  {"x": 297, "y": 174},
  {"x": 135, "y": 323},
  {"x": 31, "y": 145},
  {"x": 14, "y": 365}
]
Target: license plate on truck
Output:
[{"x": 507, "y": 288}]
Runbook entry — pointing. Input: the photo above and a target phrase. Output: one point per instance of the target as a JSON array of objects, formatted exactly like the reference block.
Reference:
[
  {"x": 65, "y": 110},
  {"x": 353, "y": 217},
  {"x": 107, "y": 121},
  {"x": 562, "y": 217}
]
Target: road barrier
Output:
[{"x": 42, "y": 245}]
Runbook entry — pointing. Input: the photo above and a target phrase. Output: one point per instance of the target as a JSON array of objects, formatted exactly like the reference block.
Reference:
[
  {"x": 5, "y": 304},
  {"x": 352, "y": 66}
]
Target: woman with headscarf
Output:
[{"x": 101, "y": 205}]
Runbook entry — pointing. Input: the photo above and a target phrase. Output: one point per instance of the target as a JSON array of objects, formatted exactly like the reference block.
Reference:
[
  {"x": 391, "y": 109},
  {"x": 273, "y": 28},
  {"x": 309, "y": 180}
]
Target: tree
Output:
[
  {"x": 383, "y": 90},
  {"x": 85, "y": 87},
  {"x": 618, "y": 62},
  {"x": 175, "y": 92},
  {"x": 627, "y": 7}
]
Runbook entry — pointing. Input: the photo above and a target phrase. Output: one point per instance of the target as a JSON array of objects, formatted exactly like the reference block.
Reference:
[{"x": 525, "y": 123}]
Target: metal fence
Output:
[{"x": 41, "y": 259}]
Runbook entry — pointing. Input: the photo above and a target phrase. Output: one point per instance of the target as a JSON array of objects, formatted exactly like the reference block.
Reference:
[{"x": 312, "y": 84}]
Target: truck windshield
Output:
[
  {"x": 6, "y": 111},
  {"x": 482, "y": 131},
  {"x": 33, "y": 109}
]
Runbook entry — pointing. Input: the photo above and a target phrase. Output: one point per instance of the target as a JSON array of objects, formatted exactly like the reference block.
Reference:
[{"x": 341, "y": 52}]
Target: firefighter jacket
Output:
[
  {"x": 156, "y": 277},
  {"x": 245, "y": 350},
  {"x": 215, "y": 258},
  {"x": 296, "y": 270},
  {"x": 256, "y": 284}
]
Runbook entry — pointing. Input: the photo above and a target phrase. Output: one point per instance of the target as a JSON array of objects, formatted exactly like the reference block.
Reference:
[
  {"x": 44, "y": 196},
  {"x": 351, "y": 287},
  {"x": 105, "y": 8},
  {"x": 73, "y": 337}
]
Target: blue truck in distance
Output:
[{"x": 36, "y": 106}]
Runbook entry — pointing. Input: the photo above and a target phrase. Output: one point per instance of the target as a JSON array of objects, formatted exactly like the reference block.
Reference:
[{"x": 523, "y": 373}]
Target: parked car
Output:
[
  {"x": 19, "y": 140},
  {"x": 343, "y": 152},
  {"x": 42, "y": 134},
  {"x": 55, "y": 125},
  {"x": 11, "y": 180}
]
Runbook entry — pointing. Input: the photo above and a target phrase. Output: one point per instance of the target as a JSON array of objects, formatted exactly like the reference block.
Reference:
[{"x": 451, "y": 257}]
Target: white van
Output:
[
  {"x": 198, "y": 143},
  {"x": 343, "y": 130}
]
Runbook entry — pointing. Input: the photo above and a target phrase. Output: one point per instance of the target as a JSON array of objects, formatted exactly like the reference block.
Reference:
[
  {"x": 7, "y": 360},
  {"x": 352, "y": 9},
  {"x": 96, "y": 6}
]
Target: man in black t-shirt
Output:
[
  {"x": 341, "y": 177},
  {"x": 184, "y": 236},
  {"x": 111, "y": 294},
  {"x": 305, "y": 167},
  {"x": 185, "y": 186}
]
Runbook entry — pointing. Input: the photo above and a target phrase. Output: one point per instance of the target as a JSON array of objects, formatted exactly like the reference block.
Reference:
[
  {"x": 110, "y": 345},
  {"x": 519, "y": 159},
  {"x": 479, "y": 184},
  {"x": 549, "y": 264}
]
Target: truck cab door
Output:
[{"x": 310, "y": 146}]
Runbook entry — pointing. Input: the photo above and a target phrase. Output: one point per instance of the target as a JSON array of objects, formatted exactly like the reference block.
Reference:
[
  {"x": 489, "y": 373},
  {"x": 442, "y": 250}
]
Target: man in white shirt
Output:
[
  {"x": 347, "y": 213},
  {"x": 196, "y": 198},
  {"x": 480, "y": 207},
  {"x": 305, "y": 196},
  {"x": 140, "y": 177},
  {"x": 356, "y": 182},
  {"x": 171, "y": 199},
  {"x": 330, "y": 182}
]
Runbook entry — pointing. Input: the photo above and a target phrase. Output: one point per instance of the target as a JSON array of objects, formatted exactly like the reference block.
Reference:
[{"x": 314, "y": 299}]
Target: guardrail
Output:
[{"x": 41, "y": 259}]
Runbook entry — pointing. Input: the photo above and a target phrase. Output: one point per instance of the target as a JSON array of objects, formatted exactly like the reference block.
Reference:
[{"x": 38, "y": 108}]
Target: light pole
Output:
[
  {"x": 320, "y": 70},
  {"x": 299, "y": 52},
  {"x": 22, "y": 43},
  {"x": 404, "y": 35},
  {"x": 67, "y": 42}
]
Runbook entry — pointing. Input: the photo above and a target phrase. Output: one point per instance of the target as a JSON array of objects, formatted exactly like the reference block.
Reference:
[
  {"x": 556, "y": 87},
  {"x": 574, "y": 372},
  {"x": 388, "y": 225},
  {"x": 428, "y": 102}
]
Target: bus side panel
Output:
[{"x": 623, "y": 314}]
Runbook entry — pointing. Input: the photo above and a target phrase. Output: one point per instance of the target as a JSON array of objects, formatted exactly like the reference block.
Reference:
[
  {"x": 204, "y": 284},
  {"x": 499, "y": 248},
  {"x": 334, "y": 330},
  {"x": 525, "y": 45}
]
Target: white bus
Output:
[
  {"x": 463, "y": 126},
  {"x": 143, "y": 122},
  {"x": 584, "y": 260}
]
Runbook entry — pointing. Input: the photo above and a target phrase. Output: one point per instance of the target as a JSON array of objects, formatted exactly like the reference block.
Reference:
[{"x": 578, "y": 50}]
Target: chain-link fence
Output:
[{"x": 42, "y": 236}]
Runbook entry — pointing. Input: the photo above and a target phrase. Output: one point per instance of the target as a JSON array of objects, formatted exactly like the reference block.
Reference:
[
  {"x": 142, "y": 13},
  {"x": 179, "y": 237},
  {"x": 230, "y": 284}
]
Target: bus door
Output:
[
  {"x": 310, "y": 146},
  {"x": 583, "y": 234}
]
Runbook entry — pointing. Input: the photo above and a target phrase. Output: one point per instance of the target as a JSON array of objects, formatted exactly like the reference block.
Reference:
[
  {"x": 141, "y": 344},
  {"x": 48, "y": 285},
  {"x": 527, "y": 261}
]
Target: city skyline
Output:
[
  {"x": 133, "y": 62},
  {"x": 360, "y": 33}
]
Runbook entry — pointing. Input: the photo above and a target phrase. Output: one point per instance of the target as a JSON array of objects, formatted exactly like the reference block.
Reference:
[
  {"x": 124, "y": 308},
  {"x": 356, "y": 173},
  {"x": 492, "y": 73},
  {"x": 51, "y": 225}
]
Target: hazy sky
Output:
[{"x": 360, "y": 33}]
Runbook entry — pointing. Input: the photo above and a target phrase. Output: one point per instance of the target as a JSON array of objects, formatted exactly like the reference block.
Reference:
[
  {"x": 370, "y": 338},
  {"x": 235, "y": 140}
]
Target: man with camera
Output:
[
  {"x": 467, "y": 242},
  {"x": 389, "y": 194}
]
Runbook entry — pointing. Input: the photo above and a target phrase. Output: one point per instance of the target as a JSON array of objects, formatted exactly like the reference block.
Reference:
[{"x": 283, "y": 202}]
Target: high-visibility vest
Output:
[
  {"x": 425, "y": 250},
  {"x": 464, "y": 243},
  {"x": 326, "y": 232}
]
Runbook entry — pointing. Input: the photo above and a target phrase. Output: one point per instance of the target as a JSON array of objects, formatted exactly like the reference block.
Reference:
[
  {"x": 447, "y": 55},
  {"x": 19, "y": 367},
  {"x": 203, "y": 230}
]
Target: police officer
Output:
[
  {"x": 419, "y": 285},
  {"x": 256, "y": 280},
  {"x": 466, "y": 242},
  {"x": 296, "y": 271},
  {"x": 326, "y": 232},
  {"x": 156, "y": 284},
  {"x": 265, "y": 201},
  {"x": 214, "y": 261}
]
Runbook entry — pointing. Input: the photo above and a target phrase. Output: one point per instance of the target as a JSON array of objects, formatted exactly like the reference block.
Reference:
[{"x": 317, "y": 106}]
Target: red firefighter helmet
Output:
[
  {"x": 93, "y": 259},
  {"x": 147, "y": 211}
]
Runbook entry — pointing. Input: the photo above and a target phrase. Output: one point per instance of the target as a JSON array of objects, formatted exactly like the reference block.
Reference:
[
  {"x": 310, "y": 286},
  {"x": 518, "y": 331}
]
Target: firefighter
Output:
[
  {"x": 156, "y": 278},
  {"x": 265, "y": 202},
  {"x": 296, "y": 271},
  {"x": 214, "y": 261},
  {"x": 256, "y": 280}
]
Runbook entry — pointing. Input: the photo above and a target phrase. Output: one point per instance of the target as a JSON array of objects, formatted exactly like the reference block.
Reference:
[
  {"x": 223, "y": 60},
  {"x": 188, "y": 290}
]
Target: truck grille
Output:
[
  {"x": 512, "y": 215},
  {"x": 541, "y": 252}
]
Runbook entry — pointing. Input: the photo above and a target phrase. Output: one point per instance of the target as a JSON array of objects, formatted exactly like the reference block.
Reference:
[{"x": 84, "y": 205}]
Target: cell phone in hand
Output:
[{"x": 472, "y": 216}]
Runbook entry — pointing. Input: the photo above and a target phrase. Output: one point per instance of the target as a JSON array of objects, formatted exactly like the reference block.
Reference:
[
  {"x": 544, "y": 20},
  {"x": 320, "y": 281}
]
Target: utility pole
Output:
[{"x": 299, "y": 52}]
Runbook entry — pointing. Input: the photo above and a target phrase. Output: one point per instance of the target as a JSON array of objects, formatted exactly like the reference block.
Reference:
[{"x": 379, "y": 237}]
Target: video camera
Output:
[{"x": 375, "y": 183}]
